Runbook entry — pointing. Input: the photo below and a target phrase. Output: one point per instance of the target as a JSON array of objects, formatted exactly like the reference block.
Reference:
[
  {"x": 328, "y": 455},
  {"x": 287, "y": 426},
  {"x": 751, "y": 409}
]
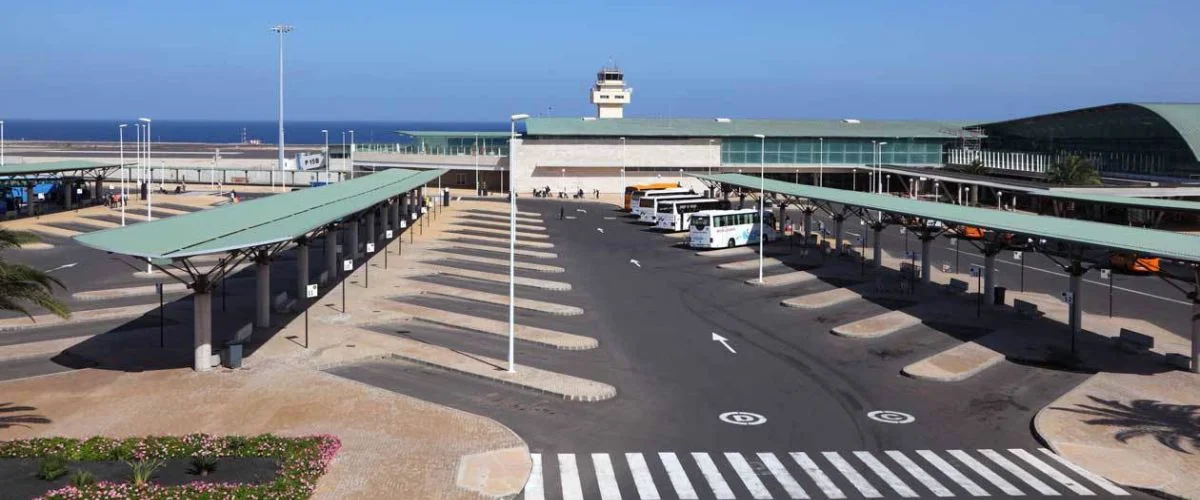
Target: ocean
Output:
[{"x": 228, "y": 132}]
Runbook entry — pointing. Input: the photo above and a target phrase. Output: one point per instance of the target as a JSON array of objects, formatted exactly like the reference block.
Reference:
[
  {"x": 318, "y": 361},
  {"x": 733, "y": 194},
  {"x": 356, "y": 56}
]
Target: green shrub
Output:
[
  {"x": 82, "y": 479},
  {"x": 203, "y": 464},
  {"x": 140, "y": 471},
  {"x": 51, "y": 468}
]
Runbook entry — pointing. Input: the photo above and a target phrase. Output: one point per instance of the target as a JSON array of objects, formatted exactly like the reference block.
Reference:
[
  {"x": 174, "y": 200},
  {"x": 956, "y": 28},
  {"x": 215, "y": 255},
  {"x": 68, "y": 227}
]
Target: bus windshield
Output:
[{"x": 700, "y": 221}]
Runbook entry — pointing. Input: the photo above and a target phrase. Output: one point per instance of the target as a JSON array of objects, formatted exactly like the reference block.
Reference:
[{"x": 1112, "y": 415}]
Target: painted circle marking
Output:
[
  {"x": 891, "y": 417},
  {"x": 742, "y": 418}
]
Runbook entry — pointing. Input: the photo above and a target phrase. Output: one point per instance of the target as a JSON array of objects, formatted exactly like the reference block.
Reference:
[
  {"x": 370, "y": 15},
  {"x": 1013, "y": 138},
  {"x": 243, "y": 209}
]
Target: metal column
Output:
[
  {"x": 331, "y": 258},
  {"x": 878, "y": 251},
  {"x": 371, "y": 227},
  {"x": 837, "y": 233},
  {"x": 351, "y": 248},
  {"x": 926, "y": 257},
  {"x": 989, "y": 277},
  {"x": 202, "y": 324},
  {"x": 262, "y": 303},
  {"x": 301, "y": 269}
]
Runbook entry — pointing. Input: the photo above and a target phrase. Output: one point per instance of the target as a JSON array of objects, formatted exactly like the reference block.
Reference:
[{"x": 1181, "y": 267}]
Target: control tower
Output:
[{"x": 610, "y": 94}]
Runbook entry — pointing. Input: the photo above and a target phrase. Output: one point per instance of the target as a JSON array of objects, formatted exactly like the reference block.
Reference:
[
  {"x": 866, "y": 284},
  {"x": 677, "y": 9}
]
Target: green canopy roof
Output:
[
  {"x": 1126, "y": 201},
  {"x": 259, "y": 222},
  {"x": 1166, "y": 244},
  {"x": 53, "y": 167}
]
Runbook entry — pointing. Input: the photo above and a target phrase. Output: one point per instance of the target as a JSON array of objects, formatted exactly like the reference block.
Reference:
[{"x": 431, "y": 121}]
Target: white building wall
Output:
[{"x": 590, "y": 164}]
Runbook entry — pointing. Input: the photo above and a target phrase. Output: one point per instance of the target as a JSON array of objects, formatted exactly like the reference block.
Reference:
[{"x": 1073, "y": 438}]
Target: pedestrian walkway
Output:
[{"x": 814, "y": 474}]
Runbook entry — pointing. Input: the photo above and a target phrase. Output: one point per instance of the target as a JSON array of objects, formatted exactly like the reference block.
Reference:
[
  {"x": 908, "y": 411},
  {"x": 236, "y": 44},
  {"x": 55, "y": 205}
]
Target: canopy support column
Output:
[
  {"x": 1195, "y": 298},
  {"x": 371, "y": 227},
  {"x": 878, "y": 256},
  {"x": 96, "y": 193},
  {"x": 989, "y": 275},
  {"x": 926, "y": 256},
  {"x": 351, "y": 247},
  {"x": 68, "y": 194},
  {"x": 202, "y": 324},
  {"x": 1076, "y": 270},
  {"x": 808, "y": 212},
  {"x": 29, "y": 199},
  {"x": 331, "y": 257},
  {"x": 262, "y": 278},
  {"x": 837, "y": 233},
  {"x": 301, "y": 268}
]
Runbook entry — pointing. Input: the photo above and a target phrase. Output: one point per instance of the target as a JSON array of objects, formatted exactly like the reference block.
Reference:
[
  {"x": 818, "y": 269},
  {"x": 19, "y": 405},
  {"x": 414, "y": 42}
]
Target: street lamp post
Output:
[
  {"x": 512, "y": 242},
  {"x": 149, "y": 194},
  {"x": 476, "y": 164},
  {"x": 351, "y": 154},
  {"x": 325, "y": 132},
  {"x": 622, "y": 165},
  {"x": 124, "y": 171},
  {"x": 1, "y": 143},
  {"x": 280, "y": 29},
  {"x": 762, "y": 176},
  {"x": 821, "y": 165},
  {"x": 879, "y": 168},
  {"x": 999, "y": 197},
  {"x": 343, "y": 150}
]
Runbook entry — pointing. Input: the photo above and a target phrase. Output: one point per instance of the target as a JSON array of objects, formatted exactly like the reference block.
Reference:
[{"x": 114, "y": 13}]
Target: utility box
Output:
[
  {"x": 998, "y": 295},
  {"x": 446, "y": 197},
  {"x": 231, "y": 357}
]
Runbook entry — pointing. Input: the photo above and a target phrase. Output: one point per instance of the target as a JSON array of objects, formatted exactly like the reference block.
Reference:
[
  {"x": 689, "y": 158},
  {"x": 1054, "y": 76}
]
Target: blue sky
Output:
[{"x": 481, "y": 61}]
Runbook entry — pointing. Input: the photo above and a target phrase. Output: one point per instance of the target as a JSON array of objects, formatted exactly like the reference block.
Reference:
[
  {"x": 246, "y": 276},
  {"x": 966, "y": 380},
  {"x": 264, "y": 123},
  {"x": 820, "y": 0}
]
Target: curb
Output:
[{"x": 608, "y": 394}]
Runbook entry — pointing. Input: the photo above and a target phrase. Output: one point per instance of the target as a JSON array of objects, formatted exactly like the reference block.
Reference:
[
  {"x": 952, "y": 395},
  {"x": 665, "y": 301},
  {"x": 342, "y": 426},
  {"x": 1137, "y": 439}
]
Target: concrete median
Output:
[
  {"x": 498, "y": 278},
  {"x": 952, "y": 365},
  {"x": 498, "y": 232},
  {"x": 491, "y": 298},
  {"x": 496, "y": 249},
  {"x": 77, "y": 317},
  {"x": 528, "y": 266},
  {"x": 785, "y": 279},
  {"x": 492, "y": 240},
  {"x": 820, "y": 300},
  {"x": 494, "y": 224},
  {"x": 542, "y": 336},
  {"x": 877, "y": 326}
]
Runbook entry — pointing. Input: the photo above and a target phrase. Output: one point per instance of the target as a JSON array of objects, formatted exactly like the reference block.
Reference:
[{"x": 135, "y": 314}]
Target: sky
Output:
[{"x": 485, "y": 60}]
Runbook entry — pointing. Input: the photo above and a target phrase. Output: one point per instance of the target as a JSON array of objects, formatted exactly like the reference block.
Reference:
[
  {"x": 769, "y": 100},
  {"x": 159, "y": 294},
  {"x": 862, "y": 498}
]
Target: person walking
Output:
[{"x": 562, "y": 212}]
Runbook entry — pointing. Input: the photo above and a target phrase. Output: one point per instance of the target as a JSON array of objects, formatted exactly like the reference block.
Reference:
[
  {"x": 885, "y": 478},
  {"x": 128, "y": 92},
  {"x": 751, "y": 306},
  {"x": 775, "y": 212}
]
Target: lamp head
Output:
[
  {"x": 281, "y": 28},
  {"x": 520, "y": 116},
  {"x": 760, "y": 136},
  {"x": 123, "y": 125}
]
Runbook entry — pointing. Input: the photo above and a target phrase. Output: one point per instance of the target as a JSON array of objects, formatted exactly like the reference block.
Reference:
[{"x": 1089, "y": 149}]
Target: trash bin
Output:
[
  {"x": 231, "y": 357},
  {"x": 446, "y": 197},
  {"x": 999, "y": 295}
]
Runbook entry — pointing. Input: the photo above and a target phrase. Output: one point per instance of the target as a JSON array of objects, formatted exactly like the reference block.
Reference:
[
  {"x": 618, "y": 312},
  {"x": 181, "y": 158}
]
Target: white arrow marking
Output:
[
  {"x": 64, "y": 266},
  {"x": 581, "y": 210},
  {"x": 600, "y": 229},
  {"x": 724, "y": 341},
  {"x": 635, "y": 262}
]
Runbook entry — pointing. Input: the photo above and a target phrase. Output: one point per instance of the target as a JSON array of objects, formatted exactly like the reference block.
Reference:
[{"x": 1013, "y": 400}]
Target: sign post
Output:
[
  {"x": 223, "y": 285},
  {"x": 1107, "y": 273},
  {"x": 367, "y": 265},
  {"x": 956, "y": 254},
  {"x": 1021, "y": 257},
  {"x": 162, "y": 338},
  {"x": 310, "y": 292},
  {"x": 388, "y": 236},
  {"x": 348, "y": 266}
]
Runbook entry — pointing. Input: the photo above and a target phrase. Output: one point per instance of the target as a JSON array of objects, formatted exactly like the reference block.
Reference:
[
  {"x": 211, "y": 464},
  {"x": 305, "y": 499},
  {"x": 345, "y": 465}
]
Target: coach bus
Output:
[
  {"x": 630, "y": 190},
  {"x": 649, "y": 206},
  {"x": 676, "y": 215},
  {"x": 730, "y": 228},
  {"x": 638, "y": 196}
]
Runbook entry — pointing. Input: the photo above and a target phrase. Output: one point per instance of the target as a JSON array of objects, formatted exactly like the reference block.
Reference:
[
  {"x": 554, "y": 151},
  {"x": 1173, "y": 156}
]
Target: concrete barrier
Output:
[
  {"x": 1134, "y": 342},
  {"x": 877, "y": 326},
  {"x": 821, "y": 300},
  {"x": 952, "y": 365},
  {"x": 1028, "y": 309},
  {"x": 958, "y": 286}
]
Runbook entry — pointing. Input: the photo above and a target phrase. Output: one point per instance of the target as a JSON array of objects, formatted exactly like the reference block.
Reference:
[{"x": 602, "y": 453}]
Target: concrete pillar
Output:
[
  {"x": 262, "y": 283},
  {"x": 301, "y": 269},
  {"x": 926, "y": 257},
  {"x": 69, "y": 195},
  {"x": 1195, "y": 328},
  {"x": 989, "y": 277},
  {"x": 351, "y": 247},
  {"x": 837, "y": 233},
  {"x": 878, "y": 257},
  {"x": 1076, "y": 311},
  {"x": 807, "y": 225},
  {"x": 331, "y": 257},
  {"x": 96, "y": 193},
  {"x": 29, "y": 199},
  {"x": 371, "y": 227},
  {"x": 202, "y": 324}
]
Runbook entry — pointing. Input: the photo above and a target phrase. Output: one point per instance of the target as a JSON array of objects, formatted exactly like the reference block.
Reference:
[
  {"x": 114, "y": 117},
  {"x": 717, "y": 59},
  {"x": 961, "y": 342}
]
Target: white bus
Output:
[
  {"x": 676, "y": 215},
  {"x": 637, "y": 196},
  {"x": 729, "y": 228},
  {"x": 649, "y": 206}
]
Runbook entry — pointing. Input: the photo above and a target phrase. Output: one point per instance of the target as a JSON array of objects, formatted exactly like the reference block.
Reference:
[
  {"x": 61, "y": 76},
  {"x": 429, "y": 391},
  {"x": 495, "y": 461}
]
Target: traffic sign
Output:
[
  {"x": 953, "y": 240},
  {"x": 158, "y": 288},
  {"x": 370, "y": 248},
  {"x": 403, "y": 224},
  {"x": 1067, "y": 297},
  {"x": 424, "y": 210},
  {"x": 1018, "y": 255},
  {"x": 387, "y": 234},
  {"x": 974, "y": 272},
  {"x": 1105, "y": 273},
  {"x": 310, "y": 291},
  {"x": 903, "y": 230},
  {"x": 348, "y": 265},
  {"x": 414, "y": 215}
]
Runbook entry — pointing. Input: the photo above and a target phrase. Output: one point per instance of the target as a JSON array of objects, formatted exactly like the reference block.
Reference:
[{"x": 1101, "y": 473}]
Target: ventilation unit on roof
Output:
[
  {"x": 852, "y": 121},
  {"x": 589, "y": 118},
  {"x": 723, "y": 120}
]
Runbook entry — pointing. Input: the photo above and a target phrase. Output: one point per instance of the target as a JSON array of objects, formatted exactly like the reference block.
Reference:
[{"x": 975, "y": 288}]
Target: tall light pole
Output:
[
  {"x": 476, "y": 164},
  {"x": 351, "y": 154},
  {"x": 1, "y": 143},
  {"x": 762, "y": 182},
  {"x": 124, "y": 171},
  {"x": 325, "y": 132},
  {"x": 280, "y": 29},
  {"x": 512, "y": 243},
  {"x": 879, "y": 169},
  {"x": 343, "y": 150},
  {"x": 622, "y": 165},
  {"x": 149, "y": 195},
  {"x": 821, "y": 166}
]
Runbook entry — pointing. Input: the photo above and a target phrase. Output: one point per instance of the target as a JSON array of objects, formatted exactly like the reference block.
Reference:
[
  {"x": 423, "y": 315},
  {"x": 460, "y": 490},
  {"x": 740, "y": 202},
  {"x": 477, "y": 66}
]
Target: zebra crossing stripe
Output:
[
  {"x": 860, "y": 483},
  {"x": 757, "y": 489},
  {"x": 679, "y": 479},
  {"x": 713, "y": 476},
  {"x": 533, "y": 485},
  {"x": 568, "y": 473},
  {"x": 606, "y": 478},
  {"x": 818, "y": 476},
  {"x": 919, "y": 474},
  {"x": 789, "y": 484},
  {"x": 987, "y": 473},
  {"x": 1012, "y": 468},
  {"x": 641, "y": 476},
  {"x": 1053, "y": 473},
  {"x": 965, "y": 482},
  {"x": 886, "y": 474},
  {"x": 1104, "y": 484}
]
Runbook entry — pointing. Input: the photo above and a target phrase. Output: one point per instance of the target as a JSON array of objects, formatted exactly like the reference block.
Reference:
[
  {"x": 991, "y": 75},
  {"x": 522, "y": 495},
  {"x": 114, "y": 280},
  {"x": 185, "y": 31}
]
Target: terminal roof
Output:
[
  {"x": 1166, "y": 244},
  {"x": 1143, "y": 121},
  {"x": 453, "y": 133},
  {"x": 736, "y": 127},
  {"x": 53, "y": 167},
  {"x": 255, "y": 223}
]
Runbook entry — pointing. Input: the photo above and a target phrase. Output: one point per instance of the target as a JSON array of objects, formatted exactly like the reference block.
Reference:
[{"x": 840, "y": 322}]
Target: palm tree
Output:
[
  {"x": 1074, "y": 171},
  {"x": 974, "y": 168},
  {"x": 21, "y": 285}
]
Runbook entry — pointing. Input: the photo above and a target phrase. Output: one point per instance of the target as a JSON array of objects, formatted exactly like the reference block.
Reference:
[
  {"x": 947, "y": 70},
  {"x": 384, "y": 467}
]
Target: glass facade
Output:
[{"x": 836, "y": 151}]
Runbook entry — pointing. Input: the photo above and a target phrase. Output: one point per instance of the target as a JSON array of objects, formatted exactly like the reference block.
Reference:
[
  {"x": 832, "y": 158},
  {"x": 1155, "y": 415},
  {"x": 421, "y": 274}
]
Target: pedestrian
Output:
[
  {"x": 562, "y": 213},
  {"x": 597, "y": 191}
]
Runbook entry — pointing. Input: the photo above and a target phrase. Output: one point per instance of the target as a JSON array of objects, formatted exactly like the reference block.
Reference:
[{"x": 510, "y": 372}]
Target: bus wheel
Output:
[{"x": 732, "y": 243}]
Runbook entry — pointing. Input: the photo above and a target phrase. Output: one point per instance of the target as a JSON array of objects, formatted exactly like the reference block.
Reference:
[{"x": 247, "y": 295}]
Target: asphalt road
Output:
[{"x": 655, "y": 324}]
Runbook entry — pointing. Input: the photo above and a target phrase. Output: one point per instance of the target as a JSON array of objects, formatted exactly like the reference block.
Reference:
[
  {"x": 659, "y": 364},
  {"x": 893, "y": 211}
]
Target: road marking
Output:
[
  {"x": 987, "y": 473},
  {"x": 641, "y": 476},
  {"x": 818, "y": 476},
  {"x": 789, "y": 484},
  {"x": 606, "y": 478},
  {"x": 1086, "y": 474},
  {"x": 965, "y": 482},
  {"x": 757, "y": 489},
  {"x": 568, "y": 473},
  {"x": 635, "y": 262},
  {"x": 1062, "y": 479},
  {"x": 581, "y": 210},
  {"x": 917, "y": 472},
  {"x": 886, "y": 474},
  {"x": 1012, "y": 468},
  {"x": 742, "y": 418},
  {"x": 860, "y": 483},
  {"x": 533, "y": 485},
  {"x": 891, "y": 417},
  {"x": 64, "y": 266},
  {"x": 715, "y": 482},
  {"x": 724, "y": 341},
  {"x": 679, "y": 479},
  {"x": 600, "y": 229}
]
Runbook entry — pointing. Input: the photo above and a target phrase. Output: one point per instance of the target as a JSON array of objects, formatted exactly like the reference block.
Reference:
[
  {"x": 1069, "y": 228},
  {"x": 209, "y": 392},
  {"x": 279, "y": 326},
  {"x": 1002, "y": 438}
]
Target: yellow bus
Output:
[{"x": 629, "y": 190}]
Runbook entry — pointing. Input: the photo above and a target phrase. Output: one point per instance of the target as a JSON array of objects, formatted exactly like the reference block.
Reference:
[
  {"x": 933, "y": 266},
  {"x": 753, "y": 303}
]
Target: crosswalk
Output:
[{"x": 804, "y": 475}]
